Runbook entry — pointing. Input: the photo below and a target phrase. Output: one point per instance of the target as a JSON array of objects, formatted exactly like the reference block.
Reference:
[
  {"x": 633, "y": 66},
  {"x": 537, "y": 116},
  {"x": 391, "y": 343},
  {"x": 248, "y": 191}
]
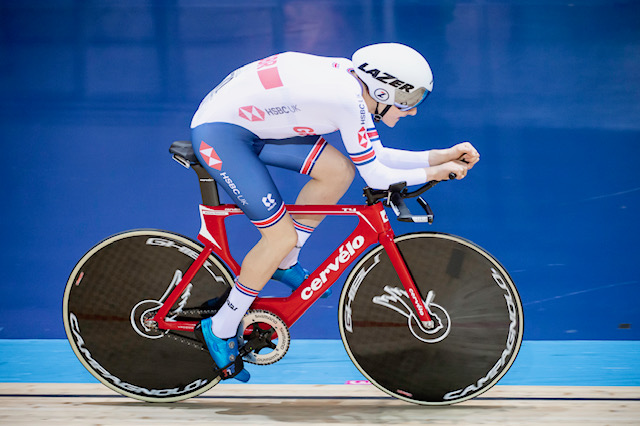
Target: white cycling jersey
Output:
[{"x": 296, "y": 94}]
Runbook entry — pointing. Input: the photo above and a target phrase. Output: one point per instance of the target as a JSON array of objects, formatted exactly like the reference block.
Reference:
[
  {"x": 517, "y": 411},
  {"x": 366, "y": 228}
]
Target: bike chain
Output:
[
  {"x": 203, "y": 313},
  {"x": 189, "y": 342},
  {"x": 258, "y": 343}
]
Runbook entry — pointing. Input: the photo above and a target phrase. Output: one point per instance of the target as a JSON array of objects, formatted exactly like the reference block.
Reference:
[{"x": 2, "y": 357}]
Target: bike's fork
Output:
[{"x": 420, "y": 306}]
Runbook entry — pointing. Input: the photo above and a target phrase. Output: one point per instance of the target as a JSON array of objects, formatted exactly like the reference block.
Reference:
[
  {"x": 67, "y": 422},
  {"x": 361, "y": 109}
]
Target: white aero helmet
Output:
[{"x": 395, "y": 74}]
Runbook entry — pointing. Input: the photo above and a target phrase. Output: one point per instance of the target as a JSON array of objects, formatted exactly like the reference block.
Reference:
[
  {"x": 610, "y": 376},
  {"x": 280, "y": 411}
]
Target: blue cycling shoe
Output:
[
  {"x": 294, "y": 276},
  {"x": 224, "y": 353}
]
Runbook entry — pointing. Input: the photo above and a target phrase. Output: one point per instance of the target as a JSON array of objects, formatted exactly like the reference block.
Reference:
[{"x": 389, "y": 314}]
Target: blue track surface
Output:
[{"x": 543, "y": 363}]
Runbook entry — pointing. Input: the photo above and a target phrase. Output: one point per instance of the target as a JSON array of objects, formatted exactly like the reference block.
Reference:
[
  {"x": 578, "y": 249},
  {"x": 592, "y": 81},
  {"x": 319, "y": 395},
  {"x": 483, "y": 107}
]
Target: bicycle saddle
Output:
[{"x": 184, "y": 149}]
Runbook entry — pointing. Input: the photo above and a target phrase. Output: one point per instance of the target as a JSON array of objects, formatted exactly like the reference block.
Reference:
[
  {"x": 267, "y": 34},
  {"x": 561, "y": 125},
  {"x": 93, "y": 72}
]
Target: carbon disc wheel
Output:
[
  {"x": 111, "y": 297},
  {"x": 475, "y": 306}
]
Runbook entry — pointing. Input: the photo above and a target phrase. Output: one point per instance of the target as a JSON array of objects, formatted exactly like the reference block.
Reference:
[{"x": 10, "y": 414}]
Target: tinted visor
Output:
[{"x": 405, "y": 101}]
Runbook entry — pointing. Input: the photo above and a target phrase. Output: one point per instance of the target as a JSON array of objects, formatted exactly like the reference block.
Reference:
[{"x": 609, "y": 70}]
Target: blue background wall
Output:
[{"x": 93, "y": 92}]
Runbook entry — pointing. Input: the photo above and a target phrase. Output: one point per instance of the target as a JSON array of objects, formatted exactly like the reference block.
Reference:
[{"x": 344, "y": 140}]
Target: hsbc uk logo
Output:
[
  {"x": 363, "y": 137},
  {"x": 210, "y": 156},
  {"x": 284, "y": 109},
  {"x": 251, "y": 113}
]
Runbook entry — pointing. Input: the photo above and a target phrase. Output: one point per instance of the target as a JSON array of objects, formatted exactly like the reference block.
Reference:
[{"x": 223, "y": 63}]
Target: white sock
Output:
[
  {"x": 226, "y": 321},
  {"x": 304, "y": 232}
]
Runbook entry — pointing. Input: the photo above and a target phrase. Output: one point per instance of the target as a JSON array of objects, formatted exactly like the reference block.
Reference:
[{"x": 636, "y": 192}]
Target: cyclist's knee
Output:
[
  {"x": 335, "y": 169},
  {"x": 282, "y": 237},
  {"x": 344, "y": 172},
  {"x": 350, "y": 171}
]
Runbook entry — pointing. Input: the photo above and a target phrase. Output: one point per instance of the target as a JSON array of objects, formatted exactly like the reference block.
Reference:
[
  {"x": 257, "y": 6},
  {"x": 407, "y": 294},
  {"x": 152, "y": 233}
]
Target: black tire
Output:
[
  {"x": 119, "y": 282},
  {"x": 476, "y": 305}
]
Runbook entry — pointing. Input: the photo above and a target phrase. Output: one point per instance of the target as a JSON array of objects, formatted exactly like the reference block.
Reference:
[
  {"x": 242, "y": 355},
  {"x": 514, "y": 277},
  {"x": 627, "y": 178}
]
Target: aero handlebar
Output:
[{"x": 395, "y": 196}]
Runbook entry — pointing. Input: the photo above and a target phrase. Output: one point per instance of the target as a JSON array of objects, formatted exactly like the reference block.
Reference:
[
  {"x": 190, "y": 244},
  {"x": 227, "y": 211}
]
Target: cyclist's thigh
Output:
[
  {"x": 299, "y": 154},
  {"x": 230, "y": 155},
  {"x": 332, "y": 165},
  {"x": 309, "y": 155}
]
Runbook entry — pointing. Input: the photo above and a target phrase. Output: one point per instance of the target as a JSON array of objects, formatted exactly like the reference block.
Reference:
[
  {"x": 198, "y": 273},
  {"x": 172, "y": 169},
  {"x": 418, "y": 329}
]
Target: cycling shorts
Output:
[{"x": 236, "y": 158}]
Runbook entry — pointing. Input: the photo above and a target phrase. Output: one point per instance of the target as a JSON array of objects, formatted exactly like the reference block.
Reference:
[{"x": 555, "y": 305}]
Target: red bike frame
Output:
[{"x": 373, "y": 227}]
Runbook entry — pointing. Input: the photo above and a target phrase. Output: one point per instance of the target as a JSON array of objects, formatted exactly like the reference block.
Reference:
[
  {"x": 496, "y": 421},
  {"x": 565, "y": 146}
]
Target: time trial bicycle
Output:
[{"x": 429, "y": 318}]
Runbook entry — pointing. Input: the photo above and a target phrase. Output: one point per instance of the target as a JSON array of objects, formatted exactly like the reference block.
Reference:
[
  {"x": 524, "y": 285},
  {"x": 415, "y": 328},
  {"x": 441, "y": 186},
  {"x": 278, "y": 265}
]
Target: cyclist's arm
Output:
[
  {"x": 357, "y": 129},
  {"x": 379, "y": 175},
  {"x": 400, "y": 158},
  {"x": 403, "y": 159}
]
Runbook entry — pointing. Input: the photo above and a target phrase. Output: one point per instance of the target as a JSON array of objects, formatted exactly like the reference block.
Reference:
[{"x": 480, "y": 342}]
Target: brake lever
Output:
[{"x": 427, "y": 209}]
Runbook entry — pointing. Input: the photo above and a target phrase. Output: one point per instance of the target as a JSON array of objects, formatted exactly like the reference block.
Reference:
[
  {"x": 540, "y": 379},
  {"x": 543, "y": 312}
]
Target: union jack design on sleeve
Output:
[
  {"x": 373, "y": 134},
  {"x": 363, "y": 157}
]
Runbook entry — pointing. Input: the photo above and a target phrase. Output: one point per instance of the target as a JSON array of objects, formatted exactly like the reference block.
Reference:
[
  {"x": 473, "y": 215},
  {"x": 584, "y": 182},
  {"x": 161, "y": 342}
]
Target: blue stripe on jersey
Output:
[
  {"x": 363, "y": 157},
  {"x": 373, "y": 134}
]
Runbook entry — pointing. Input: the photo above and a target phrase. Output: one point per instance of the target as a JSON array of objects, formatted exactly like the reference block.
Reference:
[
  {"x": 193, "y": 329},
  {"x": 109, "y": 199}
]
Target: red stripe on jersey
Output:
[
  {"x": 272, "y": 220},
  {"x": 313, "y": 156},
  {"x": 359, "y": 158},
  {"x": 270, "y": 78}
]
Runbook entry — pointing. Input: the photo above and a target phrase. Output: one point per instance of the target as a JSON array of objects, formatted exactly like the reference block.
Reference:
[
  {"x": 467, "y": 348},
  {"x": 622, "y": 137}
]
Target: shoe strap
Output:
[{"x": 224, "y": 371}]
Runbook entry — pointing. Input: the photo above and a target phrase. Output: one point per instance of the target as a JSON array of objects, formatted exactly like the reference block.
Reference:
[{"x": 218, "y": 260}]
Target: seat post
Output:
[
  {"x": 208, "y": 186},
  {"x": 183, "y": 153}
]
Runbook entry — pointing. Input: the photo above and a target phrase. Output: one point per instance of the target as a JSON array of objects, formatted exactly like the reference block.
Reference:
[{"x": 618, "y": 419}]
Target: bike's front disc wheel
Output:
[
  {"x": 478, "y": 320},
  {"x": 110, "y": 298}
]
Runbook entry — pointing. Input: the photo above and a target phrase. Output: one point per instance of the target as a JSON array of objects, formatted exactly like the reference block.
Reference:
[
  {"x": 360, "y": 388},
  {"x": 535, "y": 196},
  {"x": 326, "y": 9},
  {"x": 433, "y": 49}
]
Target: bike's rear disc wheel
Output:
[
  {"x": 117, "y": 284},
  {"x": 476, "y": 305}
]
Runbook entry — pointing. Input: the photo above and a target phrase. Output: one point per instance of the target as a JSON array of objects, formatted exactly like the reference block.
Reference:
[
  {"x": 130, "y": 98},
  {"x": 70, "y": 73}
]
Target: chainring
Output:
[{"x": 264, "y": 336}]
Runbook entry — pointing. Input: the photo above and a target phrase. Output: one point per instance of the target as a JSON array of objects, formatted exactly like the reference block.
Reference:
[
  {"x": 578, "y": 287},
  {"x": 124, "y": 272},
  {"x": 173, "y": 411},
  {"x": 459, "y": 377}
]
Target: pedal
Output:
[{"x": 222, "y": 372}]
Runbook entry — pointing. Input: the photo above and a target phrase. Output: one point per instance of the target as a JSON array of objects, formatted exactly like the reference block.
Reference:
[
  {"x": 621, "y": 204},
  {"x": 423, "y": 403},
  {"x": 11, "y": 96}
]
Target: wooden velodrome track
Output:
[{"x": 94, "y": 404}]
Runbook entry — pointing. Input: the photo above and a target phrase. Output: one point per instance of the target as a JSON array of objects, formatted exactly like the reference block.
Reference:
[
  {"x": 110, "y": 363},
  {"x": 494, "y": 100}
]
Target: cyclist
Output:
[{"x": 272, "y": 112}]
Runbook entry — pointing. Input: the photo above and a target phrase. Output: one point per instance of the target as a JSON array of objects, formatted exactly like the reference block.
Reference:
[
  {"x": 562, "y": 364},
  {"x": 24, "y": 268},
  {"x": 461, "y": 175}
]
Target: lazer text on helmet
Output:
[{"x": 387, "y": 78}]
